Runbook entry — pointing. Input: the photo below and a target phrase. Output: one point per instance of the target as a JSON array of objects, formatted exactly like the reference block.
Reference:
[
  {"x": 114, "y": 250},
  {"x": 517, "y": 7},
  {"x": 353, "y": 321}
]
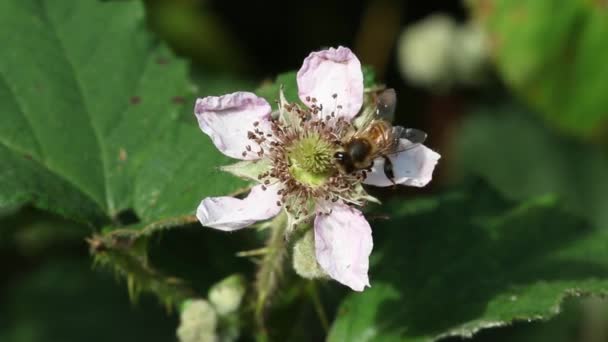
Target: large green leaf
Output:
[
  {"x": 565, "y": 327},
  {"x": 469, "y": 260},
  {"x": 553, "y": 53},
  {"x": 89, "y": 107},
  {"x": 514, "y": 152}
]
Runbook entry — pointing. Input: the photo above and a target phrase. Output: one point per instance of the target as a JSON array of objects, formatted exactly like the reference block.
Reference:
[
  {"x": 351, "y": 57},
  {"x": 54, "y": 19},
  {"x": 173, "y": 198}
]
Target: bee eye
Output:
[{"x": 339, "y": 155}]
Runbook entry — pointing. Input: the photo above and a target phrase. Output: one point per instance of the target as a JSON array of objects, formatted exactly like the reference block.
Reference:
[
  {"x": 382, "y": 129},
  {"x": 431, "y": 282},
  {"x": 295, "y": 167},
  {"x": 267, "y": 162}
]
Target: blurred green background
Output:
[{"x": 522, "y": 112}]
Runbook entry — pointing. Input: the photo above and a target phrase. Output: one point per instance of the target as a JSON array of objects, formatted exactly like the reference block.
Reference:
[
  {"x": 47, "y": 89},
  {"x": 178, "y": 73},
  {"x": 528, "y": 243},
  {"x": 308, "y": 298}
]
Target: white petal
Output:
[
  {"x": 228, "y": 118},
  {"x": 343, "y": 243},
  {"x": 229, "y": 213},
  {"x": 328, "y": 72},
  {"x": 412, "y": 167}
]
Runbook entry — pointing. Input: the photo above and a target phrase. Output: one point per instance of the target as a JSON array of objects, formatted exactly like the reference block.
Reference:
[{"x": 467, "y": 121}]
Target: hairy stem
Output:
[
  {"x": 151, "y": 228},
  {"x": 271, "y": 267},
  {"x": 132, "y": 264},
  {"x": 124, "y": 251}
]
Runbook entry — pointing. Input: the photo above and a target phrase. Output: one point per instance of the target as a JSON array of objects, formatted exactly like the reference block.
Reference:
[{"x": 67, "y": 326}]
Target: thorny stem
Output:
[
  {"x": 132, "y": 264},
  {"x": 124, "y": 251},
  {"x": 153, "y": 227},
  {"x": 271, "y": 267}
]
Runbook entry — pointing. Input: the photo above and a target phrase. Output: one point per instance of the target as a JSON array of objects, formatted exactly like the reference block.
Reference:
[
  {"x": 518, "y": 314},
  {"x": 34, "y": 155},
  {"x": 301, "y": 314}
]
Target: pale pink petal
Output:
[
  {"x": 228, "y": 118},
  {"x": 412, "y": 167},
  {"x": 343, "y": 243},
  {"x": 328, "y": 72},
  {"x": 229, "y": 213}
]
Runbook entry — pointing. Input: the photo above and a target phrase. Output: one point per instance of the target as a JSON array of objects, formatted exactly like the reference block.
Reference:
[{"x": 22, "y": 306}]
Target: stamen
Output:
[{"x": 301, "y": 157}]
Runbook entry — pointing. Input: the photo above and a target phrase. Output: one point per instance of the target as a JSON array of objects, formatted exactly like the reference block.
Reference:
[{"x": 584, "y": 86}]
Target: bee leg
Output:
[{"x": 388, "y": 170}]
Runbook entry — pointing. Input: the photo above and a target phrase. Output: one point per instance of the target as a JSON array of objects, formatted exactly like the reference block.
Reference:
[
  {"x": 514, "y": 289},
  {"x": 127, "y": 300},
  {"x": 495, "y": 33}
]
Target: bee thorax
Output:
[{"x": 359, "y": 150}]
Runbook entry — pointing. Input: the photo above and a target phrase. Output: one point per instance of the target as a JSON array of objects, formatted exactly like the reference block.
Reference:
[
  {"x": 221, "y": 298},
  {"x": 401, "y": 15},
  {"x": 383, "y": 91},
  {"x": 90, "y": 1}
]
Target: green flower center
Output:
[{"x": 311, "y": 160}]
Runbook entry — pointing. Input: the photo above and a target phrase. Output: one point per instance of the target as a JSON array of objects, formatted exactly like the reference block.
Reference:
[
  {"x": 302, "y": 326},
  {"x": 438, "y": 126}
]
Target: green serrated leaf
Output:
[
  {"x": 90, "y": 105},
  {"x": 553, "y": 53},
  {"x": 525, "y": 159},
  {"x": 473, "y": 261}
]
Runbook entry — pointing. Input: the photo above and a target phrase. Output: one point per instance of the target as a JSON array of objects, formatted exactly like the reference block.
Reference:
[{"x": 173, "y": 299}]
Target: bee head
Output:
[
  {"x": 344, "y": 160},
  {"x": 340, "y": 156}
]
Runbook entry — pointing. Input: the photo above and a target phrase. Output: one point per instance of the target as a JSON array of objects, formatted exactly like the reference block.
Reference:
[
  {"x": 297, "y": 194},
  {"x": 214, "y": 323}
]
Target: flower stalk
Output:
[{"x": 271, "y": 267}]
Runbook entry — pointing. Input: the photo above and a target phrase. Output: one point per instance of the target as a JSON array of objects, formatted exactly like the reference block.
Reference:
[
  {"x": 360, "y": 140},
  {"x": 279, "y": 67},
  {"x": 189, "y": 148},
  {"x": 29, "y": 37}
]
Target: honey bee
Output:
[{"x": 377, "y": 138}]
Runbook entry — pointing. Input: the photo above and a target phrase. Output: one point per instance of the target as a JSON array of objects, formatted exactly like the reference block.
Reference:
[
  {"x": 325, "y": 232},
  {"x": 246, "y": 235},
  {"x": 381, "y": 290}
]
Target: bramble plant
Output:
[
  {"x": 99, "y": 143},
  {"x": 292, "y": 158}
]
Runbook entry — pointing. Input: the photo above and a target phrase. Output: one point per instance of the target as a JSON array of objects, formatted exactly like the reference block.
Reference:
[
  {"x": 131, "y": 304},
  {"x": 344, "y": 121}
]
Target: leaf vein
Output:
[{"x": 81, "y": 91}]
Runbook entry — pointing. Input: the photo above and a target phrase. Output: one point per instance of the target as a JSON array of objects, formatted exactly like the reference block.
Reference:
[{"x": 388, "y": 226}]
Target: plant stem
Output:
[
  {"x": 271, "y": 268},
  {"x": 316, "y": 302}
]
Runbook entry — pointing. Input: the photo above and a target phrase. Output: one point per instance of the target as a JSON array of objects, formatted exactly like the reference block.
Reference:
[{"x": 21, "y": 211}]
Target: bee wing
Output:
[
  {"x": 383, "y": 107},
  {"x": 413, "y": 137},
  {"x": 386, "y": 103},
  {"x": 416, "y": 136}
]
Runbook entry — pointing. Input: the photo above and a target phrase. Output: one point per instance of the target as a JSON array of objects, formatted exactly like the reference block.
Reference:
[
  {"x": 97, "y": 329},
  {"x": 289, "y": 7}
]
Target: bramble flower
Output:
[{"x": 290, "y": 154}]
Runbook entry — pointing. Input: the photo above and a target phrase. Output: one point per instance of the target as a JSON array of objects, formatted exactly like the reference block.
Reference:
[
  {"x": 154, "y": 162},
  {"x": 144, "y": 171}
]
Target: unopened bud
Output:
[
  {"x": 198, "y": 322},
  {"x": 226, "y": 296},
  {"x": 471, "y": 58},
  {"x": 425, "y": 51},
  {"x": 304, "y": 259},
  {"x": 437, "y": 52}
]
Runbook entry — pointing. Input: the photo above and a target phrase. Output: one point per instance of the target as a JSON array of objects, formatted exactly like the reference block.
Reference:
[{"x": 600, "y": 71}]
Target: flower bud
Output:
[
  {"x": 226, "y": 296},
  {"x": 472, "y": 54},
  {"x": 425, "y": 51},
  {"x": 198, "y": 322},
  {"x": 438, "y": 52},
  {"x": 304, "y": 259}
]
